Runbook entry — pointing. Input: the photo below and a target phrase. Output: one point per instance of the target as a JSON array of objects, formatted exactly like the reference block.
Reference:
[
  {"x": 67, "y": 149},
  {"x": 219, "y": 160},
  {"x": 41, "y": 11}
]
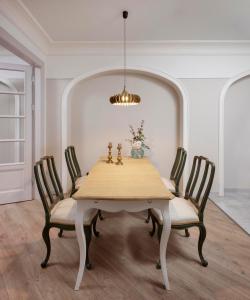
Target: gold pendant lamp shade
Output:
[{"x": 125, "y": 98}]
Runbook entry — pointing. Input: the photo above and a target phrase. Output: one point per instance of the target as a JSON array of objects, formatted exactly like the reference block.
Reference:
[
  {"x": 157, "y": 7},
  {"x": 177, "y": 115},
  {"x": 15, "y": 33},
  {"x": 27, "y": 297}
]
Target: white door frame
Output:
[
  {"x": 223, "y": 95},
  {"x": 27, "y": 165},
  {"x": 175, "y": 83},
  {"x": 39, "y": 101}
]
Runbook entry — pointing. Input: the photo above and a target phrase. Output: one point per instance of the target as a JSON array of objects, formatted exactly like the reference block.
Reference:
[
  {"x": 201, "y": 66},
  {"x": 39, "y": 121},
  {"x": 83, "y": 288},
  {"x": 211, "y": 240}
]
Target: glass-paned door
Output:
[{"x": 15, "y": 133}]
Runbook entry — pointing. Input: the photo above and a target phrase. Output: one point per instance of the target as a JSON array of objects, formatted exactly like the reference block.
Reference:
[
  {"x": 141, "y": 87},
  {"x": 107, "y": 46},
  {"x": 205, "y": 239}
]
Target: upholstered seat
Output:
[
  {"x": 168, "y": 183},
  {"x": 65, "y": 210},
  {"x": 79, "y": 181},
  {"x": 182, "y": 211}
]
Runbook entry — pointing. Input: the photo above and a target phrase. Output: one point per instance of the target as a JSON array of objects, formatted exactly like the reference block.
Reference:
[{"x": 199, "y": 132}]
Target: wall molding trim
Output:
[
  {"x": 221, "y": 142},
  {"x": 170, "y": 47},
  {"x": 16, "y": 13},
  {"x": 175, "y": 83}
]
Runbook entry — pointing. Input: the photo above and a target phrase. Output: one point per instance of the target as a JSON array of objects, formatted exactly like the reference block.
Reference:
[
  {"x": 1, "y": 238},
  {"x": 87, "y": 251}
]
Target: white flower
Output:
[{"x": 136, "y": 145}]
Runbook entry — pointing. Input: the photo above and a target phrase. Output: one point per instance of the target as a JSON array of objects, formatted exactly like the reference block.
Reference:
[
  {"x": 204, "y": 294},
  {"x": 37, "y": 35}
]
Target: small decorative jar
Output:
[{"x": 137, "y": 150}]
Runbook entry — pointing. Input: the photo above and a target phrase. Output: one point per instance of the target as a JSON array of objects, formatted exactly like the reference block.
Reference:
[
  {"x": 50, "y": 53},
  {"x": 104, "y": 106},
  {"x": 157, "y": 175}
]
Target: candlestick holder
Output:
[
  {"x": 119, "y": 156},
  {"x": 109, "y": 160}
]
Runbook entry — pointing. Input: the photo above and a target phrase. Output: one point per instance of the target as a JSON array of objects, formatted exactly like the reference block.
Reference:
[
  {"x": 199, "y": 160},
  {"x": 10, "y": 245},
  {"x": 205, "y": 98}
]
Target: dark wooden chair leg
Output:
[
  {"x": 153, "y": 229},
  {"x": 100, "y": 215},
  {"x": 202, "y": 238},
  {"x": 60, "y": 233},
  {"x": 148, "y": 217},
  {"x": 46, "y": 239},
  {"x": 96, "y": 233},
  {"x": 88, "y": 234},
  {"x": 187, "y": 232}
]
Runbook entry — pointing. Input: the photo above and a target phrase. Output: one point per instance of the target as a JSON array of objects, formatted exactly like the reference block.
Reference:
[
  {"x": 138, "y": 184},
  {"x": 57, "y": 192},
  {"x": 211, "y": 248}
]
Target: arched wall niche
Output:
[
  {"x": 221, "y": 143},
  {"x": 163, "y": 77}
]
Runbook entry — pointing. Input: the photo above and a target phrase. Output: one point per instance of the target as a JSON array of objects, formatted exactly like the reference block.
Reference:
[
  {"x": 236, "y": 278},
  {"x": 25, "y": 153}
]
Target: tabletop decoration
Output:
[
  {"x": 137, "y": 141},
  {"x": 119, "y": 156},
  {"x": 109, "y": 160}
]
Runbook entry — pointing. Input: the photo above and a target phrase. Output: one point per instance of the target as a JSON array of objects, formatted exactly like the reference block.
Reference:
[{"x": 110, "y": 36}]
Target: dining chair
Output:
[
  {"x": 189, "y": 211},
  {"x": 173, "y": 183},
  {"x": 75, "y": 172},
  {"x": 74, "y": 169},
  {"x": 59, "y": 211},
  {"x": 58, "y": 191}
]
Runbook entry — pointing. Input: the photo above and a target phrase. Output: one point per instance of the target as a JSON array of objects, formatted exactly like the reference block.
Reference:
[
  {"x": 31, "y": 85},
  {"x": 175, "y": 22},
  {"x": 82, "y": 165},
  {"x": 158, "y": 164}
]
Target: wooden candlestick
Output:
[
  {"x": 119, "y": 156},
  {"x": 109, "y": 161}
]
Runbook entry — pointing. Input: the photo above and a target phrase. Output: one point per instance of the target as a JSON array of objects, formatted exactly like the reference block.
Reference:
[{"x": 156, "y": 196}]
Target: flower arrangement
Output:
[{"x": 138, "y": 141}]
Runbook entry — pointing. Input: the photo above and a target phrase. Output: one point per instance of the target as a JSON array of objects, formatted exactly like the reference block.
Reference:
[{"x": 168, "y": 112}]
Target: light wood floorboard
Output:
[{"x": 123, "y": 259}]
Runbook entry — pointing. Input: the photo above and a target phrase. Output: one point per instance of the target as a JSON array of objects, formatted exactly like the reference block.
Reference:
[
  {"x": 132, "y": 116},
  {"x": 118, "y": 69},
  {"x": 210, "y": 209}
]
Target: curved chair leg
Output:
[
  {"x": 60, "y": 233},
  {"x": 100, "y": 215},
  {"x": 202, "y": 238},
  {"x": 153, "y": 229},
  {"x": 88, "y": 234},
  {"x": 46, "y": 239},
  {"x": 187, "y": 232},
  {"x": 148, "y": 217},
  {"x": 96, "y": 233}
]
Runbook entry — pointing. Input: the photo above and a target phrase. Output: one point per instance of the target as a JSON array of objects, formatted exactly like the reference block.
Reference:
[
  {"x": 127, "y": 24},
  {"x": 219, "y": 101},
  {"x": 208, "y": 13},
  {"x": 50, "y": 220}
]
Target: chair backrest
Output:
[
  {"x": 71, "y": 169},
  {"x": 43, "y": 188},
  {"x": 54, "y": 178},
  {"x": 178, "y": 168},
  {"x": 200, "y": 183},
  {"x": 75, "y": 161},
  {"x": 72, "y": 163}
]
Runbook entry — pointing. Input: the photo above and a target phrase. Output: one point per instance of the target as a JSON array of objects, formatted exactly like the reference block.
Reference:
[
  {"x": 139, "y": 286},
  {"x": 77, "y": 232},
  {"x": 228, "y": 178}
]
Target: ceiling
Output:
[{"x": 148, "y": 20}]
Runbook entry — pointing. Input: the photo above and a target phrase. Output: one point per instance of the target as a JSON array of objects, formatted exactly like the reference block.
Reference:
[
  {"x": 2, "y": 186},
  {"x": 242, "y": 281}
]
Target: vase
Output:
[{"x": 137, "y": 153}]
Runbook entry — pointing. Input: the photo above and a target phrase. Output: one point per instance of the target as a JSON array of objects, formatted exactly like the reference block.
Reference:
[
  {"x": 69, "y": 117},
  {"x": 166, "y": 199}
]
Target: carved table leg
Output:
[
  {"x": 163, "y": 244},
  {"x": 82, "y": 244}
]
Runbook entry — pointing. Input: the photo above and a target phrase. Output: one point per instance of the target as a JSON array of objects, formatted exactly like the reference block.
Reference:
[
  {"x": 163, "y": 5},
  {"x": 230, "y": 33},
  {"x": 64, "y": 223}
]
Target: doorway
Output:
[{"x": 15, "y": 133}]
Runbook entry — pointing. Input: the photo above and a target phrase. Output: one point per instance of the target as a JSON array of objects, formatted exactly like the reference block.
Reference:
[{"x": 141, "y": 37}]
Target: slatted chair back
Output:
[
  {"x": 178, "y": 167},
  {"x": 54, "y": 178},
  {"x": 200, "y": 183},
  {"x": 70, "y": 165},
  {"x": 43, "y": 188},
  {"x": 75, "y": 161}
]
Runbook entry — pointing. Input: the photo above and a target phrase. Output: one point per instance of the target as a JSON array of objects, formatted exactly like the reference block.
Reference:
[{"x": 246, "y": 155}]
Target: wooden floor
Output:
[{"x": 123, "y": 258}]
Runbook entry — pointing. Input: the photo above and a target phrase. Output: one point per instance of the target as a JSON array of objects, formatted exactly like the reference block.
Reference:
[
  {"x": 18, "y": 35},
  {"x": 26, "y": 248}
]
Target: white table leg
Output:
[
  {"x": 82, "y": 245},
  {"x": 163, "y": 244}
]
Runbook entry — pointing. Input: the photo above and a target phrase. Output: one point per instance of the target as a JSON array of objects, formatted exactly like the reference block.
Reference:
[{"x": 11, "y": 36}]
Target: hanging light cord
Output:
[{"x": 124, "y": 53}]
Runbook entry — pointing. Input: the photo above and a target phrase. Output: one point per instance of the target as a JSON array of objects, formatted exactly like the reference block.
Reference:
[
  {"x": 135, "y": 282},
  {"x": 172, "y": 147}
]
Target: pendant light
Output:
[{"x": 125, "y": 98}]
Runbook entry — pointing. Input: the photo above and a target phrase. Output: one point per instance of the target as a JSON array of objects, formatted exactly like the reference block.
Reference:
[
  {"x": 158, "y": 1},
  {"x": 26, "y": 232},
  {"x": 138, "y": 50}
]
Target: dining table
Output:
[{"x": 134, "y": 186}]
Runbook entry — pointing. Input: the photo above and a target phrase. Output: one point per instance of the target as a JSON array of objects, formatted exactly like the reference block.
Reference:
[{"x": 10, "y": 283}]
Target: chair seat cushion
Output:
[
  {"x": 182, "y": 211},
  {"x": 168, "y": 183},
  {"x": 65, "y": 210},
  {"x": 79, "y": 181}
]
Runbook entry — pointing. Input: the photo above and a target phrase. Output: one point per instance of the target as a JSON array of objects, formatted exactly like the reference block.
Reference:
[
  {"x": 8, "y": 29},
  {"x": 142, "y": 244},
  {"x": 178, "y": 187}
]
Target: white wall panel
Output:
[{"x": 237, "y": 141}]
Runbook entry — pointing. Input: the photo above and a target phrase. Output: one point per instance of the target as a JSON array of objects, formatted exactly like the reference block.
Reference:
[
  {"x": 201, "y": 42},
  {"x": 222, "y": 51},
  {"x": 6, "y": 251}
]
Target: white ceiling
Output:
[{"x": 101, "y": 20}]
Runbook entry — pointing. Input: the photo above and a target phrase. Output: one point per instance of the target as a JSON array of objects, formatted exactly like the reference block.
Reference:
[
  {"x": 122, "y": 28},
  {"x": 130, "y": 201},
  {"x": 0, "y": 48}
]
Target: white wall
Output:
[
  {"x": 54, "y": 91},
  {"x": 95, "y": 122},
  {"x": 203, "y": 75},
  {"x": 237, "y": 141},
  {"x": 203, "y": 118}
]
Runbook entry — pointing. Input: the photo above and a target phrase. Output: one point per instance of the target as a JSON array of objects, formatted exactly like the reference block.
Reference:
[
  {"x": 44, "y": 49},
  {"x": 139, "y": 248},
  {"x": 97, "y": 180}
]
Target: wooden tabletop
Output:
[{"x": 136, "y": 179}]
